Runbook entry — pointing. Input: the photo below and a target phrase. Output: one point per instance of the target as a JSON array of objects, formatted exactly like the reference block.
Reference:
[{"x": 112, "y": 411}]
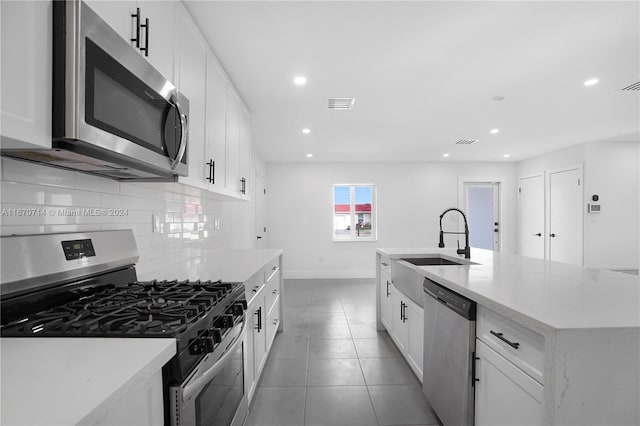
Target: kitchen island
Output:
[{"x": 585, "y": 324}]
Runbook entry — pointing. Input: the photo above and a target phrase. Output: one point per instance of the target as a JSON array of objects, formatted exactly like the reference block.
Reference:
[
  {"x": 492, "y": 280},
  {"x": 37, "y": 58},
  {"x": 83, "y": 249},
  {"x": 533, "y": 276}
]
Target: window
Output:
[{"x": 354, "y": 213}]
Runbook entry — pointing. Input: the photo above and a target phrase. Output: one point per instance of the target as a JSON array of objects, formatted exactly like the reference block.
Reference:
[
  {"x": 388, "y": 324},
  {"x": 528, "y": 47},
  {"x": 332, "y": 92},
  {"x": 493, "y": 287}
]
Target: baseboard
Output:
[{"x": 327, "y": 274}]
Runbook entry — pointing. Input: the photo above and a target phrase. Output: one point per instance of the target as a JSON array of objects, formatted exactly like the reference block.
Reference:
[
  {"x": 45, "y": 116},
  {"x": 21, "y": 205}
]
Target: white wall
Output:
[
  {"x": 611, "y": 170},
  {"x": 186, "y": 214},
  {"x": 410, "y": 199}
]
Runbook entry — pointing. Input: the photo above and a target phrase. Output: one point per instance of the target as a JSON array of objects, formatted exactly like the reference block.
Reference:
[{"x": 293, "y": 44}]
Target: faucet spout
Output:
[{"x": 466, "y": 250}]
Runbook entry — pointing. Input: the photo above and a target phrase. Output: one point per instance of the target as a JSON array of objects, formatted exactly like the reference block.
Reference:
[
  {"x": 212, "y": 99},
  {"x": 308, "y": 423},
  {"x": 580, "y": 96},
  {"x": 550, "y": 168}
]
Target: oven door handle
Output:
[
  {"x": 194, "y": 388},
  {"x": 183, "y": 132}
]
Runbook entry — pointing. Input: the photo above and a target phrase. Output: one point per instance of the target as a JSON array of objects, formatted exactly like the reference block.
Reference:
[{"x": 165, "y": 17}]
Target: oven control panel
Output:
[{"x": 78, "y": 249}]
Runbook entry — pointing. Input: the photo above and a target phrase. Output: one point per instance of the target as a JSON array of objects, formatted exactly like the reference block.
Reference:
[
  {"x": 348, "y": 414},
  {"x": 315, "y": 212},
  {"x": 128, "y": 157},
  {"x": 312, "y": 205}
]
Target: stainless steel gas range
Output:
[{"x": 85, "y": 285}]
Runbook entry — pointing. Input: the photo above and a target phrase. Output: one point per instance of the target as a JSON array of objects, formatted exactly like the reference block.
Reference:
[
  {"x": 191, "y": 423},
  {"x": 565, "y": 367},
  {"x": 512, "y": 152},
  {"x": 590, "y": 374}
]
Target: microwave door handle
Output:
[
  {"x": 197, "y": 384},
  {"x": 183, "y": 134}
]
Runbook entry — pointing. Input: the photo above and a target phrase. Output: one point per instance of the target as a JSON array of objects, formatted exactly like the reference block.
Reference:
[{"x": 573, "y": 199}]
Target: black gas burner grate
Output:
[{"x": 143, "y": 308}]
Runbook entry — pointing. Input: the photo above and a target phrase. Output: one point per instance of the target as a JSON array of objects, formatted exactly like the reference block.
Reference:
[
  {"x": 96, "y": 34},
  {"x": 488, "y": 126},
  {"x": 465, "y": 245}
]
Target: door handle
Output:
[
  {"x": 539, "y": 234},
  {"x": 514, "y": 345},
  {"x": 388, "y": 283},
  {"x": 145, "y": 49},
  {"x": 552, "y": 235},
  {"x": 136, "y": 17},
  {"x": 259, "y": 237}
]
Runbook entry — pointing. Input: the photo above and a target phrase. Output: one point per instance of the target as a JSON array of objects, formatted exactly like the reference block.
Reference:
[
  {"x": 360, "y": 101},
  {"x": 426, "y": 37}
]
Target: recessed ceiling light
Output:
[
  {"x": 309, "y": 155},
  {"x": 494, "y": 131},
  {"x": 300, "y": 80},
  {"x": 445, "y": 155},
  {"x": 507, "y": 155},
  {"x": 306, "y": 131},
  {"x": 591, "y": 82}
]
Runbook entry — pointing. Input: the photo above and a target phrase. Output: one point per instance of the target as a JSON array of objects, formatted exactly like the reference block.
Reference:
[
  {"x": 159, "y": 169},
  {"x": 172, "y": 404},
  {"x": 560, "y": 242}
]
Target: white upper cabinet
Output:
[
  {"x": 25, "y": 59},
  {"x": 192, "y": 60},
  {"x": 156, "y": 35},
  {"x": 238, "y": 146},
  {"x": 216, "y": 130}
]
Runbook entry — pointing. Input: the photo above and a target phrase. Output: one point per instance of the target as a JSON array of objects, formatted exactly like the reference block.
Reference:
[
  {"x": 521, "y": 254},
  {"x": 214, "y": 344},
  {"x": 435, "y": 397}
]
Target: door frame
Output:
[
  {"x": 545, "y": 231},
  {"x": 501, "y": 202},
  {"x": 547, "y": 206}
]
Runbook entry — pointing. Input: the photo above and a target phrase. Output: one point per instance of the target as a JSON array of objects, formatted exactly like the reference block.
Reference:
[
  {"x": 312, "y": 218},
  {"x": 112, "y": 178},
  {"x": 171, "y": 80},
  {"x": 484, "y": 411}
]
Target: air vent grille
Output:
[
  {"x": 466, "y": 141},
  {"x": 341, "y": 103},
  {"x": 634, "y": 86}
]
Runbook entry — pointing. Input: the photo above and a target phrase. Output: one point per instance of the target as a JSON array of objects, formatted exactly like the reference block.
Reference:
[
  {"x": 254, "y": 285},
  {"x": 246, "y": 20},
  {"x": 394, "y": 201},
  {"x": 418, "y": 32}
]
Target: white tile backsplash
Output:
[{"x": 64, "y": 201}]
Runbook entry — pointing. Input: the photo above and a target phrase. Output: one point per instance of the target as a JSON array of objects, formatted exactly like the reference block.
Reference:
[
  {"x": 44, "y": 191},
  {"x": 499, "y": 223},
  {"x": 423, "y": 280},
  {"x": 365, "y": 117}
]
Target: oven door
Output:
[{"x": 213, "y": 395}]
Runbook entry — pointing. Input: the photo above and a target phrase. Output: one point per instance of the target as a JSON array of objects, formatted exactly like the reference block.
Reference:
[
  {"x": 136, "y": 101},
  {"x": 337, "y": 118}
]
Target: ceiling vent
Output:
[
  {"x": 466, "y": 141},
  {"x": 341, "y": 103},
  {"x": 634, "y": 86}
]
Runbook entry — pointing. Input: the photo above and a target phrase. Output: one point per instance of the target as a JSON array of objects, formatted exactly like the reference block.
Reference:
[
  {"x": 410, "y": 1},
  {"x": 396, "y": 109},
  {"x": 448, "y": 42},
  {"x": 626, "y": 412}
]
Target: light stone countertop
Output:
[
  {"x": 68, "y": 381},
  {"x": 544, "y": 295}
]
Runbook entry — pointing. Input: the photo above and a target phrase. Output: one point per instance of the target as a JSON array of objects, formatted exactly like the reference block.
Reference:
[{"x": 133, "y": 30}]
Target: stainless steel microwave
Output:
[{"x": 114, "y": 114}]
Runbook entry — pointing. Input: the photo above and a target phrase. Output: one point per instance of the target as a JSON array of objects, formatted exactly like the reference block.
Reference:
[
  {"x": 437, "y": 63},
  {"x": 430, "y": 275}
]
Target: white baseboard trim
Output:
[{"x": 327, "y": 274}]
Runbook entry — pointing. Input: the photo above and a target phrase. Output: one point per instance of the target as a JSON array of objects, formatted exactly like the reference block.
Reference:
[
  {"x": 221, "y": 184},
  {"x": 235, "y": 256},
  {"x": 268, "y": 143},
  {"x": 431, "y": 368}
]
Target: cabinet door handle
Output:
[
  {"x": 384, "y": 264},
  {"x": 404, "y": 313},
  {"x": 145, "y": 49},
  {"x": 136, "y": 16},
  {"x": 500, "y": 336},
  {"x": 474, "y": 369},
  {"x": 243, "y": 186},
  {"x": 259, "y": 314},
  {"x": 388, "y": 283}
]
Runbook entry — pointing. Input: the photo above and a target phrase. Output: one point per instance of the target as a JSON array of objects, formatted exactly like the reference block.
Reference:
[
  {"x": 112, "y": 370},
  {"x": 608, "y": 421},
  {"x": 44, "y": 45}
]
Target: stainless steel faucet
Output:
[{"x": 467, "y": 250}]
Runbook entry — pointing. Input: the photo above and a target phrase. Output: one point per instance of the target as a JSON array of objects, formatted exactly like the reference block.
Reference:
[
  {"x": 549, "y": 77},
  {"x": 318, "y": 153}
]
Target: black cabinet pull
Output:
[
  {"x": 539, "y": 234},
  {"x": 403, "y": 315},
  {"x": 259, "y": 314},
  {"x": 501, "y": 337},
  {"x": 474, "y": 379},
  {"x": 243, "y": 186},
  {"x": 212, "y": 171},
  {"x": 388, "y": 283},
  {"x": 552, "y": 235},
  {"x": 136, "y": 16},
  {"x": 145, "y": 49}
]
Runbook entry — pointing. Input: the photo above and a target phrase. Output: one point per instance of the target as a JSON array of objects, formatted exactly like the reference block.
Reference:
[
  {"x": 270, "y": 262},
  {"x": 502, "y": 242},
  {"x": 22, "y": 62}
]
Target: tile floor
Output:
[{"x": 331, "y": 367}]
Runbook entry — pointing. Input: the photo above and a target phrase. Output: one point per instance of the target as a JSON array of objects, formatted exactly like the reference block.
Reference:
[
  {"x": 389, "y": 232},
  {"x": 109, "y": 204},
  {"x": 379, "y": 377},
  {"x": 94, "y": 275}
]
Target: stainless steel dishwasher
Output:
[{"x": 449, "y": 346}]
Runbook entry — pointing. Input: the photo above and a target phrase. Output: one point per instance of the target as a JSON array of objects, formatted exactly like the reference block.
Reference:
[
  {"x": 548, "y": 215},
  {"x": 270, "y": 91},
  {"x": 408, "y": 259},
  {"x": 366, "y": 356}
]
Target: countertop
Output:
[
  {"x": 217, "y": 264},
  {"x": 547, "y": 296},
  {"x": 68, "y": 381}
]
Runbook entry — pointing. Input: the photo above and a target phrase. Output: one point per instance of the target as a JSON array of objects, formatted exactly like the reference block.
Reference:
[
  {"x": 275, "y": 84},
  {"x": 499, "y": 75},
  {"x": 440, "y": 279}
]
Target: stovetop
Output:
[{"x": 140, "y": 309}]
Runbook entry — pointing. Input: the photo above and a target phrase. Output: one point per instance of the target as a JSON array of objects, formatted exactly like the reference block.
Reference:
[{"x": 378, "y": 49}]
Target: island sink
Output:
[{"x": 424, "y": 261}]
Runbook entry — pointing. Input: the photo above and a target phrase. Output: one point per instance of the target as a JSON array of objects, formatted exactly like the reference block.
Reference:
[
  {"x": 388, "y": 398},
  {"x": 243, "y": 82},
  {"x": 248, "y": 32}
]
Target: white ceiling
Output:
[{"x": 424, "y": 73}]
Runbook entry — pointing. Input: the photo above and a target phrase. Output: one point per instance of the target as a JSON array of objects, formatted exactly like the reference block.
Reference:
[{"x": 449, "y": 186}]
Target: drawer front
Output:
[
  {"x": 272, "y": 291},
  {"x": 271, "y": 269},
  {"x": 520, "y": 345},
  {"x": 385, "y": 265},
  {"x": 253, "y": 285},
  {"x": 273, "y": 321}
]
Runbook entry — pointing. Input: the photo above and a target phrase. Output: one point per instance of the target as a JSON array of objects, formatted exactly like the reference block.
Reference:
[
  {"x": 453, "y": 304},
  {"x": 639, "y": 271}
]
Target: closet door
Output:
[
  {"x": 531, "y": 216},
  {"x": 565, "y": 215}
]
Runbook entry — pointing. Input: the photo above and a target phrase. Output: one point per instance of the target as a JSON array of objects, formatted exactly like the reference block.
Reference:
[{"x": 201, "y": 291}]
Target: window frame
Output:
[{"x": 352, "y": 237}]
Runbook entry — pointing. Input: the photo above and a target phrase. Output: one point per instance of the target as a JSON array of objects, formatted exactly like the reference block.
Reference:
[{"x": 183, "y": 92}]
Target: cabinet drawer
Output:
[
  {"x": 272, "y": 291},
  {"x": 273, "y": 321},
  {"x": 253, "y": 285},
  {"x": 385, "y": 265},
  {"x": 520, "y": 345},
  {"x": 271, "y": 269}
]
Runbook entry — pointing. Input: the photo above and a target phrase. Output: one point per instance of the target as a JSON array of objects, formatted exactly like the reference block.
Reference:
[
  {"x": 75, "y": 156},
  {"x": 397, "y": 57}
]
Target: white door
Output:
[
  {"x": 482, "y": 206},
  {"x": 565, "y": 216},
  {"x": 261, "y": 211},
  {"x": 531, "y": 216}
]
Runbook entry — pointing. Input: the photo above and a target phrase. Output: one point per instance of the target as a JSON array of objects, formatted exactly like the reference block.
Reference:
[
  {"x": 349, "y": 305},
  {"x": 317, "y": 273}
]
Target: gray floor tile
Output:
[
  {"x": 277, "y": 407},
  {"x": 331, "y": 348},
  {"x": 363, "y": 330},
  {"x": 387, "y": 371},
  {"x": 334, "y": 372},
  {"x": 327, "y": 317},
  {"x": 380, "y": 347},
  {"x": 401, "y": 405},
  {"x": 339, "y": 405},
  {"x": 289, "y": 348},
  {"x": 284, "y": 372},
  {"x": 329, "y": 331}
]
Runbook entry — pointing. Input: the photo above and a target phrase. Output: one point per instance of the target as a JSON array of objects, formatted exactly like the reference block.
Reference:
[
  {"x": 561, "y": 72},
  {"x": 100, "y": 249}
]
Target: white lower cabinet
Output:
[
  {"x": 407, "y": 330},
  {"x": 505, "y": 395},
  {"x": 263, "y": 318},
  {"x": 386, "y": 300}
]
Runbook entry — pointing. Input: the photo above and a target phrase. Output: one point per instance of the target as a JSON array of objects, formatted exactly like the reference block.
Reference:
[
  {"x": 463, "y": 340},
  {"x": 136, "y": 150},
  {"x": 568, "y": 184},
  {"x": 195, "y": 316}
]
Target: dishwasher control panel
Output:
[{"x": 455, "y": 301}]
